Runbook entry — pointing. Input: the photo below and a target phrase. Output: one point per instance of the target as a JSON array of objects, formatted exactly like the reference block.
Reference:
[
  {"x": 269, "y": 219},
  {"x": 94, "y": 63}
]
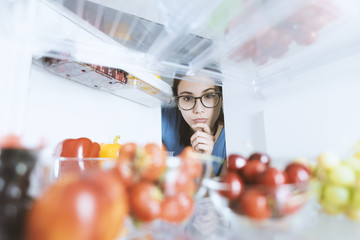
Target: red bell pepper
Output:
[
  {"x": 80, "y": 148},
  {"x": 78, "y": 151}
]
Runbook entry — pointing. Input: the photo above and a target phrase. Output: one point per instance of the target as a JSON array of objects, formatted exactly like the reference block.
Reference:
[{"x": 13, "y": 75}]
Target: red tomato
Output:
[
  {"x": 254, "y": 205},
  {"x": 297, "y": 173},
  {"x": 272, "y": 177},
  {"x": 179, "y": 181},
  {"x": 305, "y": 37},
  {"x": 288, "y": 201},
  {"x": 11, "y": 141},
  {"x": 124, "y": 171},
  {"x": 178, "y": 208},
  {"x": 236, "y": 162},
  {"x": 127, "y": 152},
  {"x": 252, "y": 170},
  {"x": 235, "y": 185},
  {"x": 93, "y": 206},
  {"x": 259, "y": 57},
  {"x": 267, "y": 39},
  {"x": 151, "y": 162},
  {"x": 190, "y": 162},
  {"x": 312, "y": 17},
  {"x": 245, "y": 51},
  {"x": 262, "y": 157},
  {"x": 145, "y": 201},
  {"x": 281, "y": 46}
]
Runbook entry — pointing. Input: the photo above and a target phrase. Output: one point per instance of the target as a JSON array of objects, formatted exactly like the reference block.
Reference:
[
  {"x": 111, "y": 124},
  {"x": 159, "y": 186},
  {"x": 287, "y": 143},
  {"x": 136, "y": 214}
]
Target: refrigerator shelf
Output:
[
  {"x": 257, "y": 43},
  {"x": 117, "y": 81}
]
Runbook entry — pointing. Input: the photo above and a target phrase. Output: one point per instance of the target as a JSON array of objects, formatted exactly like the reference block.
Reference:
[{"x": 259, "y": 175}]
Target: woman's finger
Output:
[
  {"x": 202, "y": 127},
  {"x": 203, "y": 148},
  {"x": 202, "y": 142},
  {"x": 200, "y": 134}
]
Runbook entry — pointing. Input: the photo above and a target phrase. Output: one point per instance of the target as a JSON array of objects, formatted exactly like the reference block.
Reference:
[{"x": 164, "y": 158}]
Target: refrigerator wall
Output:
[
  {"x": 58, "y": 108},
  {"x": 303, "y": 116}
]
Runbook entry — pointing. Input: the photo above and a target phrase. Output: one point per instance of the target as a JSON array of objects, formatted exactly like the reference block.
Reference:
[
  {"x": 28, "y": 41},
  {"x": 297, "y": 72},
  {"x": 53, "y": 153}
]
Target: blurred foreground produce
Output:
[
  {"x": 90, "y": 206},
  {"x": 339, "y": 179},
  {"x": 16, "y": 165},
  {"x": 144, "y": 185},
  {"x": 159, "y": 187},
  {"x": 252, "y": 188}
]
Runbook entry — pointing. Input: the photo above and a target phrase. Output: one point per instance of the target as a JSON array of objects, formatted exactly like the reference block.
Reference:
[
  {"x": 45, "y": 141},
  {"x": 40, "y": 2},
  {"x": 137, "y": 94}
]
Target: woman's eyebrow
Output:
[
  {"x": 190, "y": 93},
  {"x": 209, "y": 89},
  {"x": 185, "y": 92}
]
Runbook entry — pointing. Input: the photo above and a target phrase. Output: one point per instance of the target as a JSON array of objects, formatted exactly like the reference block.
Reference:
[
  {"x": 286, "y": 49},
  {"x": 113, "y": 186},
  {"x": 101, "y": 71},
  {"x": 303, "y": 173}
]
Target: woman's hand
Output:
[{"x": 202, "y": 140}]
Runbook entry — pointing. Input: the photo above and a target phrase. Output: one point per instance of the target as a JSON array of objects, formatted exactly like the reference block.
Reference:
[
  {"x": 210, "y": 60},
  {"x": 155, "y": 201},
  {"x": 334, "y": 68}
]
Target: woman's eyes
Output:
[
  {"x": 209, "y": 95},
  {"x": 188, "y": 98},
  {"x": 206, "y": 96}
]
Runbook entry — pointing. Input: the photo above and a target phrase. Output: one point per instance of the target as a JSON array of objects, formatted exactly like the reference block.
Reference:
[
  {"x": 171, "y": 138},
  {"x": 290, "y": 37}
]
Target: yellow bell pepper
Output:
[{"x": 110, "y": 150}]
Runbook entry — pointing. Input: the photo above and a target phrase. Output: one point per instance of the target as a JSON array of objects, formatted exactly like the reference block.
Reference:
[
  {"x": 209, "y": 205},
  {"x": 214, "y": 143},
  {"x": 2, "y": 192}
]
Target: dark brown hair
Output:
[{"x": 185, "y": 130}]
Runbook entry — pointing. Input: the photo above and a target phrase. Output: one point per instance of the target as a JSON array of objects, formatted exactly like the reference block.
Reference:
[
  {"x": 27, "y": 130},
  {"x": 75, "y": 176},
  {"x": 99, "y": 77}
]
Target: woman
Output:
[{"x": 198, "y": 119}]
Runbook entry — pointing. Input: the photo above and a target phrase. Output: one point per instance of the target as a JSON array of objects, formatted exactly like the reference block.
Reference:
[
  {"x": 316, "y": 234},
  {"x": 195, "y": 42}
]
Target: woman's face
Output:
[{"x": 199, "y": 114}]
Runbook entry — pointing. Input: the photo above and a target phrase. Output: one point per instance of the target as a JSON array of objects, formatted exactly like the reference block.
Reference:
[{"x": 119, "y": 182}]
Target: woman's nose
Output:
[{"x": 198, "y": 106}]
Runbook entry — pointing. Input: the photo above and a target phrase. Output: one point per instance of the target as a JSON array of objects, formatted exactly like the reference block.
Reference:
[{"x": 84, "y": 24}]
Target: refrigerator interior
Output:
[
  {"x": 289, "y": 102},
  {"x": 158, "y": 39}
]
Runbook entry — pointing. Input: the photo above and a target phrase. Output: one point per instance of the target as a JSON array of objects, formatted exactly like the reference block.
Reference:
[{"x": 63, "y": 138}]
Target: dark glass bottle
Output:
[{"x": 15, "y": 169}]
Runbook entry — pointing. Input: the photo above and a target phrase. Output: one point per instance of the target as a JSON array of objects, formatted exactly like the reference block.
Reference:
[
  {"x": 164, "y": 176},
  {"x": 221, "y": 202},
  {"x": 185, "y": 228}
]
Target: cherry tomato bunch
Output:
[
  {"x": 274, "y": 41},
  {"x": 259, "y": 191},
  {"x": 156, "y": 190},
  {"x": 93, "y": 205}
]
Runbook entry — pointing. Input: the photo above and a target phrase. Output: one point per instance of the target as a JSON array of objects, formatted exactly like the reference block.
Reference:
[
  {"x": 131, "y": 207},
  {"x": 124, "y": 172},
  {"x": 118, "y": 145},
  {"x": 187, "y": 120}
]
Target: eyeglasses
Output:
[{"x": 208, "y": 100}]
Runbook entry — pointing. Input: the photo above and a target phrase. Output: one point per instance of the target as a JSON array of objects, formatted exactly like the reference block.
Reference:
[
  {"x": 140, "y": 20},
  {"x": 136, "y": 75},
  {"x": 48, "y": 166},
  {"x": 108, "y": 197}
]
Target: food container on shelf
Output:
[
  {"x": 263, "y": 196},
  {"x": 160, "y": 191},
  {"x": 263, "y": 211},
  {"x": 63, "y": 166}
]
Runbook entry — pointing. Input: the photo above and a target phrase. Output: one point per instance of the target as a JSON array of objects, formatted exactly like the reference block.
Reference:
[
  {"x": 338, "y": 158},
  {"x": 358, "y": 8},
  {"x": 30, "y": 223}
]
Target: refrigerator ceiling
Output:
[{"x": 257, "y": 43}]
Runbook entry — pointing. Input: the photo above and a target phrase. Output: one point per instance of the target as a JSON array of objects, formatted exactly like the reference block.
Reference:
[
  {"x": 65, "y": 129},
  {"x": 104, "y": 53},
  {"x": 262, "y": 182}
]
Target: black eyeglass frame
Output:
[{"x": 177, "y": 100}]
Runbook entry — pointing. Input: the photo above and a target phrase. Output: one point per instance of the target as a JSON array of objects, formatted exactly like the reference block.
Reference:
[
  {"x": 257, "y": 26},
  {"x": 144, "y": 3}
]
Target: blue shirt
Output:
[{"x": 170, "y": 117}]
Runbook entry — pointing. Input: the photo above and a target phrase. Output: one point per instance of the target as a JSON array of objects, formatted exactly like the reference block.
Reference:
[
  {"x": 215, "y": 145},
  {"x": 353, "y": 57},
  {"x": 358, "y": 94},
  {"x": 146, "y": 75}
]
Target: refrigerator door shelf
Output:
[
  {"x": 150, "y": 93},
  {"x": 272, "y": 41}
]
